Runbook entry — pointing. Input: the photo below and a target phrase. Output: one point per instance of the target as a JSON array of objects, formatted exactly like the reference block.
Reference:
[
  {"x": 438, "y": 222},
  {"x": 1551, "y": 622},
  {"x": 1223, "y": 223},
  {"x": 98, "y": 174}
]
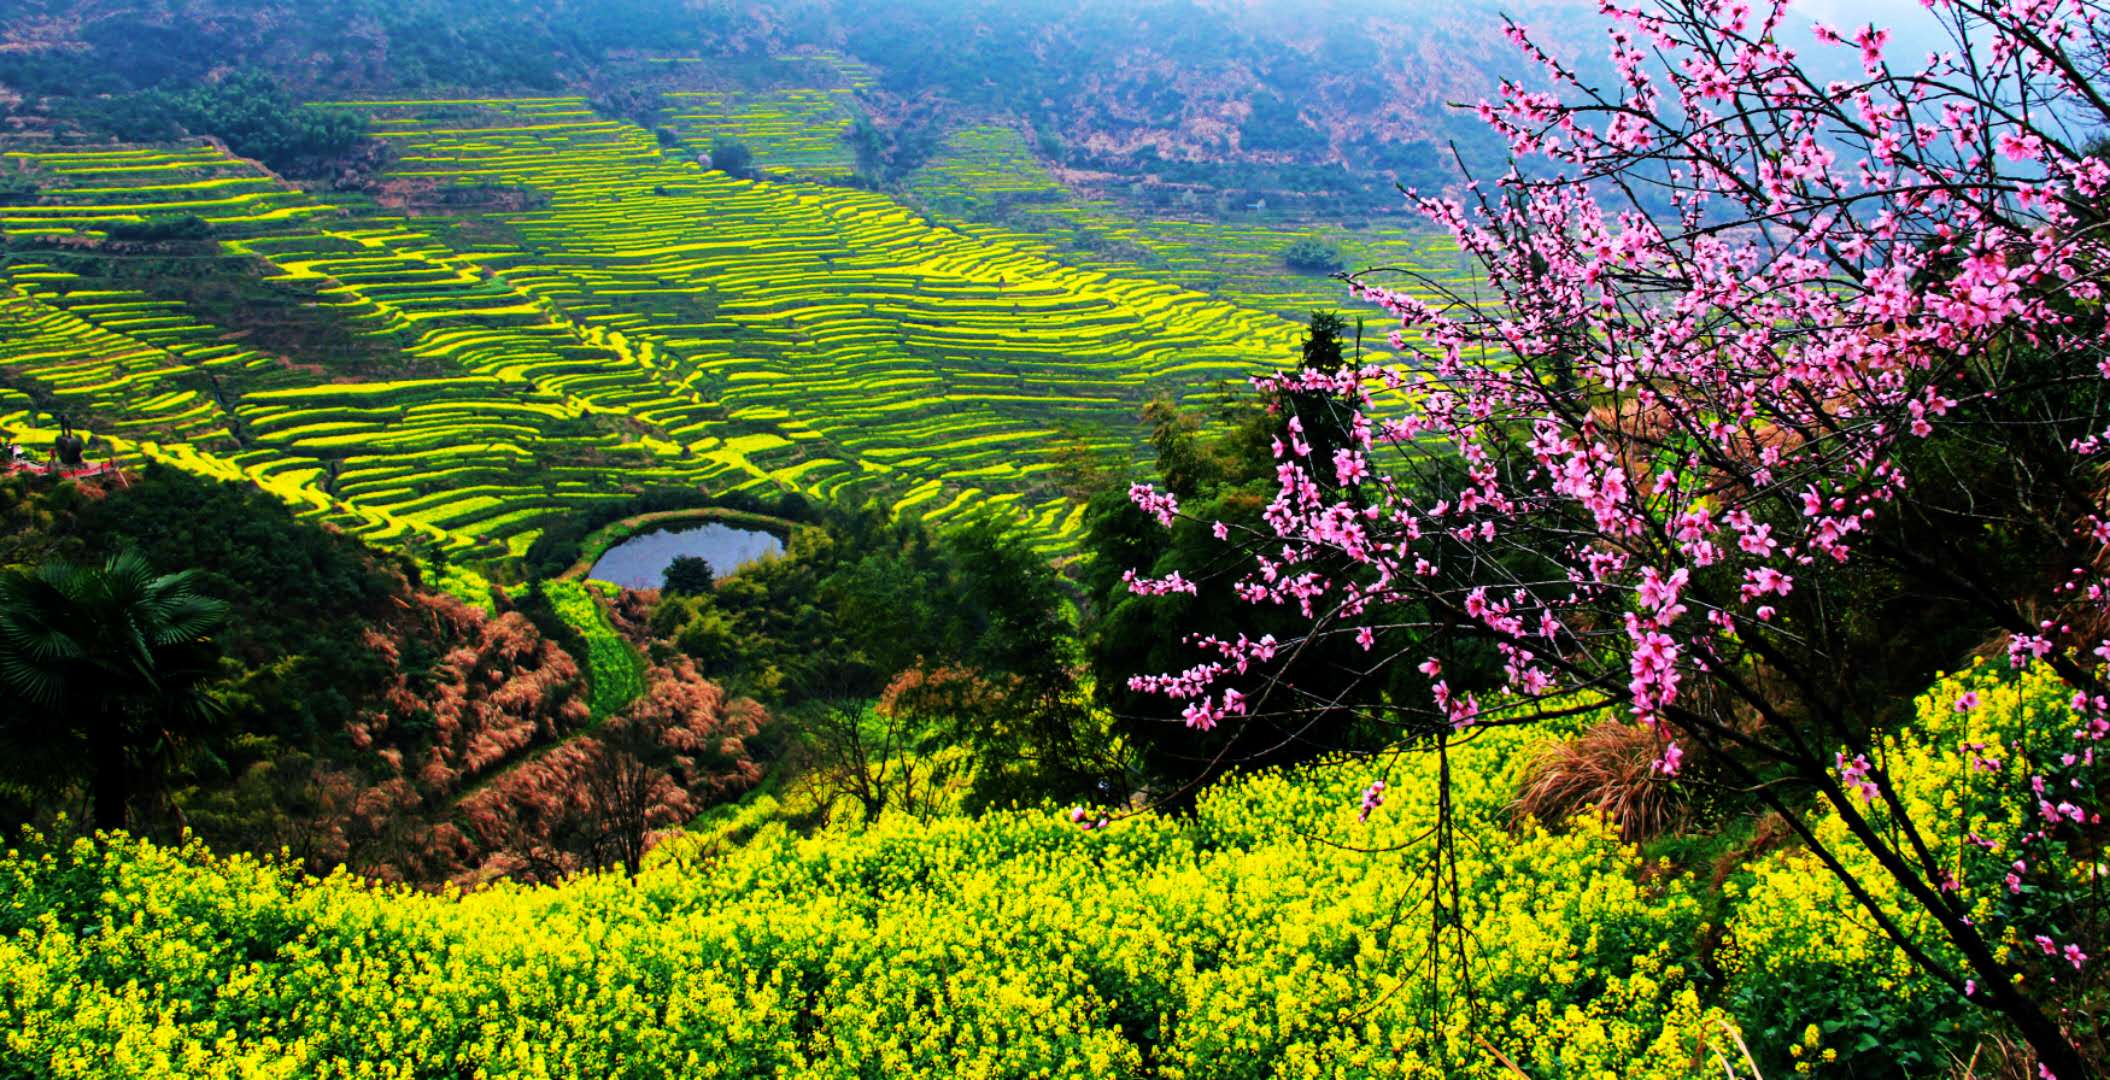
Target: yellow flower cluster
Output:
[
  {"x": 1809, "y": 968},
  {"x": 1269, "y": 935}
]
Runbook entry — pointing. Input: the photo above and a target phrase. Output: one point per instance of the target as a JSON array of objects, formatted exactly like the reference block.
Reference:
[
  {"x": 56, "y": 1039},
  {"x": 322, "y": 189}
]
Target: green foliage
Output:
[
  {"x": 731, "y": 156},
  {"x": 850, "y": 602},
  {"x": 638, "y": 104},
  {"x": 484, "y": 195},
  {"x": 1323, "y": 348},
  {"x": 1011, "y": 622},
  {"x": 249, "y": 111},
  {"x": 859, "y": 599},
  {"x": 160, "y": 228},
  {"x": 768, "y": 631},
  {"x": 300, "y": 660},
  {"x": 614, "y": 670},
  {"x": 105, "y": 667},
  {"x": 17, "y": 189},
  {"x": 1275, "y": 125},
  {"x": 1311, "y": 255},
  {"x": 1224, "y": 474},
  {"x": 299, "y": 594},
  {"x": 38, "y": 521},
  {"x": 688, "y": 574}
]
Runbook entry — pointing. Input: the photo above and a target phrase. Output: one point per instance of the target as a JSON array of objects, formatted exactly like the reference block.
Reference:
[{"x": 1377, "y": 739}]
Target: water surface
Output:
[{"x": 638, "y": 563}]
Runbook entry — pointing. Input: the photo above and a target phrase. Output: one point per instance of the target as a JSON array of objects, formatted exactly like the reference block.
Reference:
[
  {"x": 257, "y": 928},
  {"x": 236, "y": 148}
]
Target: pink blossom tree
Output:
[{"x": 1751, "y": 351}]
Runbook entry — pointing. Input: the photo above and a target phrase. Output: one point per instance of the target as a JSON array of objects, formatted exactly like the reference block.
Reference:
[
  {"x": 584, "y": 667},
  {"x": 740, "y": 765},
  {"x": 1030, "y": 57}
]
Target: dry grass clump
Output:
[{"x": 1609, "y": 769}]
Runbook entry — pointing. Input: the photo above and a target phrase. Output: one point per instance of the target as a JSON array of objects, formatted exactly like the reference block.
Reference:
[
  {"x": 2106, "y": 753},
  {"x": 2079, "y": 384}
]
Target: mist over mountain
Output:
[{"x": 1332, "y": 97}]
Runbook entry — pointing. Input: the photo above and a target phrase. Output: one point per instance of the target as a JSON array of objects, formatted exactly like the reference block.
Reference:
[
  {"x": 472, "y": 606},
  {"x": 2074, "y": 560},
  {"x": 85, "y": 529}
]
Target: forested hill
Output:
[{"x": 1258, "y": 97}]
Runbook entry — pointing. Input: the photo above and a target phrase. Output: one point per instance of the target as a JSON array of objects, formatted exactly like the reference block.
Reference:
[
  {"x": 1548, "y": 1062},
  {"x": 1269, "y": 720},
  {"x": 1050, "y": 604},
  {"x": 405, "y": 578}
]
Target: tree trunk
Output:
[
  {"x": 2056, "y": 1054},
  {"x": 110, "y": 782}
]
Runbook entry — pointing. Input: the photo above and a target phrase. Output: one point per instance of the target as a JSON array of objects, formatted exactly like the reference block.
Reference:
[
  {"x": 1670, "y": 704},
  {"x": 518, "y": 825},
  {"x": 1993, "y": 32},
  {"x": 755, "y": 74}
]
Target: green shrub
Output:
[
  {"x": 160, "y": 228},
  {"x": 17, "y": 189},
  {"x": 731, "y": 156},
  {"x": 1311, "y": 255}
]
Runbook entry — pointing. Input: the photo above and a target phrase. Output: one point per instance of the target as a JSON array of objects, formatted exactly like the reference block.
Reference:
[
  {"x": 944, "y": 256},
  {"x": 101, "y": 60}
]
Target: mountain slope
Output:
[{"x": 1335, "y": 97}]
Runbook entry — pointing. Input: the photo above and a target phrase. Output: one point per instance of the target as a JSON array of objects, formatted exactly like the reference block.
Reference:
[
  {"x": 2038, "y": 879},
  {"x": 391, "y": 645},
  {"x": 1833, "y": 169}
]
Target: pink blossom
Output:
[
  {"x": 1637, "y": 444},
  {"x": 1350, "y": 467},
  {"x": 2020, "y": 147},
  {"x": 1668, "y": 763},
  {"x": 1373, "y": 797},
  {"x": 1853, "y": 775},
  {"x": 1160, "y": 505}
]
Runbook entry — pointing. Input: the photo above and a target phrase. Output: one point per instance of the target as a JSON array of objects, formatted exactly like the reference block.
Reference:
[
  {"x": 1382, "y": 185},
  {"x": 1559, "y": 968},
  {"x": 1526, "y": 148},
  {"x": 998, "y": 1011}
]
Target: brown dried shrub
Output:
[{"x": 1609, "y": 769}]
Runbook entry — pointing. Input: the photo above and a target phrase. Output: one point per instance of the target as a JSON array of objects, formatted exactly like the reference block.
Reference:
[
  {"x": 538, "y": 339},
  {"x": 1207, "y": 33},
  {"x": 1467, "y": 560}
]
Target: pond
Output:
[{"x": 638, "y": 563}]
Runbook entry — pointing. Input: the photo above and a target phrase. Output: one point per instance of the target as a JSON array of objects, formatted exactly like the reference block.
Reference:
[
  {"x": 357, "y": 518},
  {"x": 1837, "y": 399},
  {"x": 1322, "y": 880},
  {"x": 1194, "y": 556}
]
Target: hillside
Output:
[
  {"x": 1254, "y": 99},
  {"x": 551, "y": 351},
  {"x": 405, "y": 721}
]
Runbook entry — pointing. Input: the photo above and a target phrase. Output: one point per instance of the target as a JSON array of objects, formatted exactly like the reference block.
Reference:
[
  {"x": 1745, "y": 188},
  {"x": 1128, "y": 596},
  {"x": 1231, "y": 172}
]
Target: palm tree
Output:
[{"x": 110, "y": 665}]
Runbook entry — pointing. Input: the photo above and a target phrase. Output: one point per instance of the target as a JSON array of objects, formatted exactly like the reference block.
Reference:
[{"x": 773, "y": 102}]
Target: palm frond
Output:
[
  {"x": 187, "y": 618},
  {"x": 117, "y": 631}
]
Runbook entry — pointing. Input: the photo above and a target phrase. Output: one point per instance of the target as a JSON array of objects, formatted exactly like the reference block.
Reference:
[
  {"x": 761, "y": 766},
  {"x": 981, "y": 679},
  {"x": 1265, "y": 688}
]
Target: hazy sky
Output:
[{"x": 1843, "y": 13}]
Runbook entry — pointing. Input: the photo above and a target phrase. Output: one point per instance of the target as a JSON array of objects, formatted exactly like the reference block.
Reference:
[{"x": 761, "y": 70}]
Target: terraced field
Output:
[
  {"x": 118, "y": 357},
  {"x": 986, "y": 181},
  {"x": 643, "y": 322},
  {"x": 99, "y": 188},
  {"x": 921, "y": 356},
  {"x": 793, "y": 133},
  {"x": 531, "y": 418}
]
